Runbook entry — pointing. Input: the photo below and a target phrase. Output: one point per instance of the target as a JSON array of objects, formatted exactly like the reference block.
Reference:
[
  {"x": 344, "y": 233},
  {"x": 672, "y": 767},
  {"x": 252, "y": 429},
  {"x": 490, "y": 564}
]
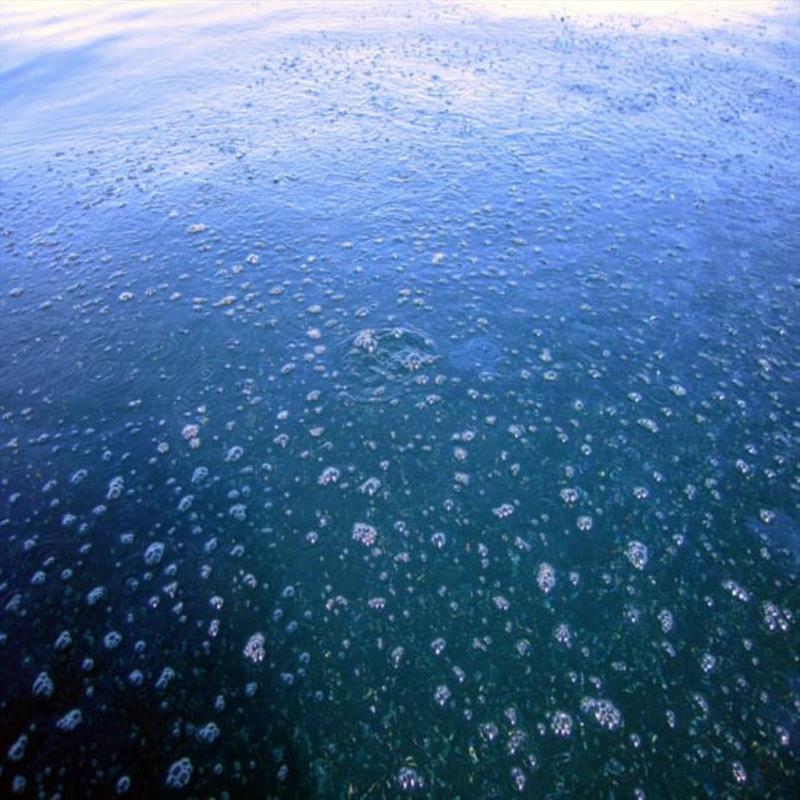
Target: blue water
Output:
[{"x": 400, "y": 400}]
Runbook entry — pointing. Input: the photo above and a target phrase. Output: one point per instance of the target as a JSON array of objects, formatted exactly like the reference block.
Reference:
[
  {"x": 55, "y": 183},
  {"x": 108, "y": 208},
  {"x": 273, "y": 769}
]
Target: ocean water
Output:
[{"x": 400, "y": 400}]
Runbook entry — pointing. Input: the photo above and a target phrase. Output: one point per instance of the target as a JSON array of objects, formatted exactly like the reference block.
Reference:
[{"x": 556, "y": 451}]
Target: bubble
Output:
[
  {"x": 179, "y": 774},
  {"x": 70, "y": 720},
  {"x": 115, "y": 488},
  {"x": 438, "y": 540},
  {"x": 234, "y": 453},
  {"x": 380, "y": 365},
  {"x": 16, "y": 752},
  {"x": 254, "y": 650},
  {"x": 522, "y": 647},
  {"x": 136, "y": 678},
  {"x": 739, "y": 773},
  {"x": 153, "y": 554},
  {"x": 546, "y": 577},
  {"x": 604, "y": 712},
  {"x": 396, "y": 656},
  {"x": 569, "y": 496},
  {"x": 736, "y": 590},
  {"x": 501, "y": 603},
  {"x": 43, "y": 685},
  {"x": 164, "y": 679},
  {"x": 370, "y": 487},
  {"x": 365, "y": 533},
  {"x": 488, "y": 731},
  {"x": 518, "y": 779},
  {"x": 208, "y": 734},
  {"x": 561, "y": 724},
  {"x": 563, "y": 635},
  {"x": 637, "y": 554},
  {"x": 708, "y": 662},
  {"x": 665, "y": 620},
  {"x": 783, "y": 736},
  {"x": 365, "y": 340},
  {"x": 442, "y": 695},
  {"x": 409, "y": 781},
  {"x": 328, "y": 476},
  {"x": 776, "y": 619}
]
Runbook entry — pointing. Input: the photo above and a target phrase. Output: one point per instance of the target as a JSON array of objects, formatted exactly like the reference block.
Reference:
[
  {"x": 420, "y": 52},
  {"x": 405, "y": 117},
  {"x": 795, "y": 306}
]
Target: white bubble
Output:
[
  {"x": 365, "y": 533},
  {"x": 43, "y": 685},
  {"x": 438, "y": 646},
  {"x": 503, "y": 510},
  {"x": 666, "y": 620},
  {"x": 179, "y": 774},
  {"x": 70, "y": 720},
  {"x": 438, "y": 540},
  {"x": 546, "y": 577},
  {"x": 254, "y": 649},
  {"x": 409, "y": 780},
  {"x": 518, "y": 779},
  {"x": 95, "y": 595},
  {"x": 234, "y": 454},
  {"x": 328, "y": 476},
  {"x": 115, "y": 487},
  {"x": 17, "y": 750},
  {"x": 209, "y": 733},
  {"x": 637, "y": 553},
  {"x": 167, "y": 674},
  {"x": 605, "y": 713},
  {"x": 442, "y": 695},
  {"x": 153, "y": 554},
  {"x": 739, "y": 773},
  {"x": 561, "y": 723}
]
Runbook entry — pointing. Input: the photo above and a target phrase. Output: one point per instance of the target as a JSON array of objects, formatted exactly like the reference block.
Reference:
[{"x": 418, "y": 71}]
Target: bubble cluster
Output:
[
  {"x": 254, "y": 649},
  {"x": 636, "y": 552}
]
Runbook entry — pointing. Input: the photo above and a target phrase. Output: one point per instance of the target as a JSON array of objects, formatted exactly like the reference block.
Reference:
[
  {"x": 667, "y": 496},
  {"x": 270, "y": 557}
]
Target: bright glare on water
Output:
[{"x": 400, "y": 399}]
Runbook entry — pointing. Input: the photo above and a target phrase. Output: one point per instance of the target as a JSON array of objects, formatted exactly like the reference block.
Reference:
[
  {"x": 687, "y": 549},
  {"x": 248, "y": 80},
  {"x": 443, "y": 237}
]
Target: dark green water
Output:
[{"x": 399, "y": 401}]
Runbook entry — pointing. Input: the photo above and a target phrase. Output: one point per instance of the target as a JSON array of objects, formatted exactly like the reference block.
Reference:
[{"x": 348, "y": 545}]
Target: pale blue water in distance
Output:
[{"x": 399, "y": 400}]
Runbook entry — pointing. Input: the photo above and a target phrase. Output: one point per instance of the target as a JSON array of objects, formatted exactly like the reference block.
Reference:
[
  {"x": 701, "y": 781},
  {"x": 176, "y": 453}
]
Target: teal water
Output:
[{"x": 399, "y": 400}]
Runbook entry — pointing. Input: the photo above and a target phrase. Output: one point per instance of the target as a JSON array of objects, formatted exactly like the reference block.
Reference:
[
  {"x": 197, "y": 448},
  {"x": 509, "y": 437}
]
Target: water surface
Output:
[{"x": 399, "y": 400}]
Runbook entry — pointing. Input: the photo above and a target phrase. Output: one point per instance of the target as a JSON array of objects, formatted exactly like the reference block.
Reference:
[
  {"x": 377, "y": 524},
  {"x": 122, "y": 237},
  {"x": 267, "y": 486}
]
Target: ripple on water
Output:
[
  {"x": 382, "y": 364},
  {"x": 478, "y": 354}
]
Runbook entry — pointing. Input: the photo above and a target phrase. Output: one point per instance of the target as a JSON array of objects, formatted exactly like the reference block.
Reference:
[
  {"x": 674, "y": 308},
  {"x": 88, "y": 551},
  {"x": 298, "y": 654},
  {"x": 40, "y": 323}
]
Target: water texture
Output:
[{"x": 400, "y": 400}]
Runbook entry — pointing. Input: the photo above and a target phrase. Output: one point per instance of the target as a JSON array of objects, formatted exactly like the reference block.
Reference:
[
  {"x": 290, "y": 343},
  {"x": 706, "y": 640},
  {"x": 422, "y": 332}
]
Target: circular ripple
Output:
[
  {"x": 478, "y": 354},
  {"x": 381, "y": 364}
]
